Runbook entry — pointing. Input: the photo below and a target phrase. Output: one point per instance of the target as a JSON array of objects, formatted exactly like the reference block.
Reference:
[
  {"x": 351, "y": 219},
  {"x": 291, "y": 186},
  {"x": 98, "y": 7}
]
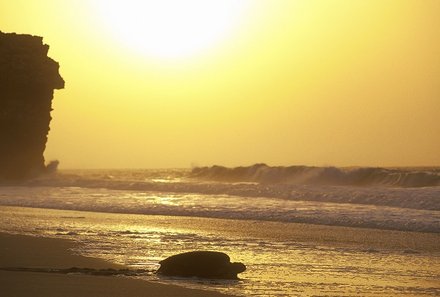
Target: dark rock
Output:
[
  {"x": 27, "y": 82},
  {"x": 204, "y": 264}
]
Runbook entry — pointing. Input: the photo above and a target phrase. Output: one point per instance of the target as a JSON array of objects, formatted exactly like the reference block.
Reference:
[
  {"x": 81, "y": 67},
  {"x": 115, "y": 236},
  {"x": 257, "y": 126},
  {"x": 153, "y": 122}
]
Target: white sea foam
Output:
[
  {"x": 184, "y": 181},
  {"x": 135, "y": 192}
]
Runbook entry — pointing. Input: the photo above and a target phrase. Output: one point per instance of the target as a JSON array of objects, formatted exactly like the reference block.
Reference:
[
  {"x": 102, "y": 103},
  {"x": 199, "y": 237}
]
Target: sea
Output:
[{"x": 259, "y": 215}]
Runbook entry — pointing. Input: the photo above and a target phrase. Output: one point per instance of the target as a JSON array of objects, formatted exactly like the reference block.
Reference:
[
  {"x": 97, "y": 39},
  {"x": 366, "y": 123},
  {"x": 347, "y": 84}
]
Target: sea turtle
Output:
[{"x": 203, "y": 264}]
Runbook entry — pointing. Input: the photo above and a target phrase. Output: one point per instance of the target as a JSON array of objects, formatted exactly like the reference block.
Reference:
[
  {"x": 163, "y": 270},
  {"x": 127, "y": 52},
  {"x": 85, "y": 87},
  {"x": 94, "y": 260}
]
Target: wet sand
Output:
[
  {"x": 32, "y": 252},
  {"x": 338, "y": 236}
]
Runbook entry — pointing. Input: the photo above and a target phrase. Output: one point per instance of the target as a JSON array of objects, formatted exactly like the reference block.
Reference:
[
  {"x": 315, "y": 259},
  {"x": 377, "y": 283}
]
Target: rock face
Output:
[
  {"x": 28, "y": 78},
  {"x": 204, "y": 264}
]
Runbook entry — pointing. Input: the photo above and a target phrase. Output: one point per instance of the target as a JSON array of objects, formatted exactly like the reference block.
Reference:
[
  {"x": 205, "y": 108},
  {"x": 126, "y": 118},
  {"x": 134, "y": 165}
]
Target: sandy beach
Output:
[
  {"x": 31, "y": 252},
  {"x": 297, "y": 259}
]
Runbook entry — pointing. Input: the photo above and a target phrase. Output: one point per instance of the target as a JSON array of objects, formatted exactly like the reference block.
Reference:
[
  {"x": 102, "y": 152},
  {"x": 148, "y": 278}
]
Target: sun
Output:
[{"x": 170, "y": 28}]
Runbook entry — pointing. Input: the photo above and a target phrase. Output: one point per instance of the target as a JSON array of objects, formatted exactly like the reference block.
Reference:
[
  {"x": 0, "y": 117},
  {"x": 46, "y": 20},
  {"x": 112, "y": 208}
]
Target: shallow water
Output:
[{"x": 278, "y": 265}]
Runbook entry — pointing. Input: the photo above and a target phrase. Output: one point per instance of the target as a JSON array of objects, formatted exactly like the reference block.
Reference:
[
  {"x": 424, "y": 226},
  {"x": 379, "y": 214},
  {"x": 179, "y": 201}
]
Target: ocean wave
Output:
[
  {"x": 205, "y": 182},
  {"x": 307, "y": 175}
]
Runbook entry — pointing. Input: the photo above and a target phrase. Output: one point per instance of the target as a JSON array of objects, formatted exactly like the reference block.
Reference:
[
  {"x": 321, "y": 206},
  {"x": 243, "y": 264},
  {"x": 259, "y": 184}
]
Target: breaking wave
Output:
[
  {"x": 306, "y": 175},
  {"x": 258, "y": 192},
  {"x": 381, "y": 187}
]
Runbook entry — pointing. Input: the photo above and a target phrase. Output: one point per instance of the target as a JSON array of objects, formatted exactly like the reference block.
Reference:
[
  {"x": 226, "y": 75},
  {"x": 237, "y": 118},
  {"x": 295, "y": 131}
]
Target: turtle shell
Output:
[{"x": 204, "y": 264}]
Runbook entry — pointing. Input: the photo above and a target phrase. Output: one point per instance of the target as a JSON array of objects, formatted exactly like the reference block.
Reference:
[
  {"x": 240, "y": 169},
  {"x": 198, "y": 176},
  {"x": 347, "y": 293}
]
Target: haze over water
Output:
[{"x": 233, "y": 83}]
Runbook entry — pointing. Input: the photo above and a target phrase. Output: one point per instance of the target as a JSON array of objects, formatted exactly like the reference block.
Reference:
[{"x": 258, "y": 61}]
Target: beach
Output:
[
  {"x": 296, "y": 240},
  {"x": 35, "y": 252},
  {"x": 219, "y": 148},
  {"x": 295, "y": 259}
]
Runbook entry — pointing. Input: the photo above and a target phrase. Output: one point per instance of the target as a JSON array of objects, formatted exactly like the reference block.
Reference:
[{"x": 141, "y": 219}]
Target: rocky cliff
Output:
[{"x": 28, "y": 78}]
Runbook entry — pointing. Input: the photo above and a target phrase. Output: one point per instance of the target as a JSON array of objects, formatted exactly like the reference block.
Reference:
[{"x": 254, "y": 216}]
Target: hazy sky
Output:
[{"x": 283, "y": 82}]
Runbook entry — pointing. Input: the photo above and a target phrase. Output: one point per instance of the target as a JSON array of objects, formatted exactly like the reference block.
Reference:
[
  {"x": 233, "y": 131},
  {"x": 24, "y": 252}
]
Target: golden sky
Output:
[{"x": 285, "y": 82}]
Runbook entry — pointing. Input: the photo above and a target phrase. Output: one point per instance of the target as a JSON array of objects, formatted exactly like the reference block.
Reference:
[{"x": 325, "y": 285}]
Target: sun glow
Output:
[{"x": 170, "y": 28}]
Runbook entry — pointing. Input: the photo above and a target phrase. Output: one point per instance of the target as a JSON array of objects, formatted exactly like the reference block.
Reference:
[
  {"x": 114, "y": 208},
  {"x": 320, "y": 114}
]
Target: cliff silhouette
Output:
[{"x": 28, "y": 78}]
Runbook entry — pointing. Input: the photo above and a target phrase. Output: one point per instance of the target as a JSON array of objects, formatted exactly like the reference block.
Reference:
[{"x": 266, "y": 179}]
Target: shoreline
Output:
[
  {"x": 307, "y": 256},
  {"x": 331, "y": 235},
  {"x": 21, "y": 251}
]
